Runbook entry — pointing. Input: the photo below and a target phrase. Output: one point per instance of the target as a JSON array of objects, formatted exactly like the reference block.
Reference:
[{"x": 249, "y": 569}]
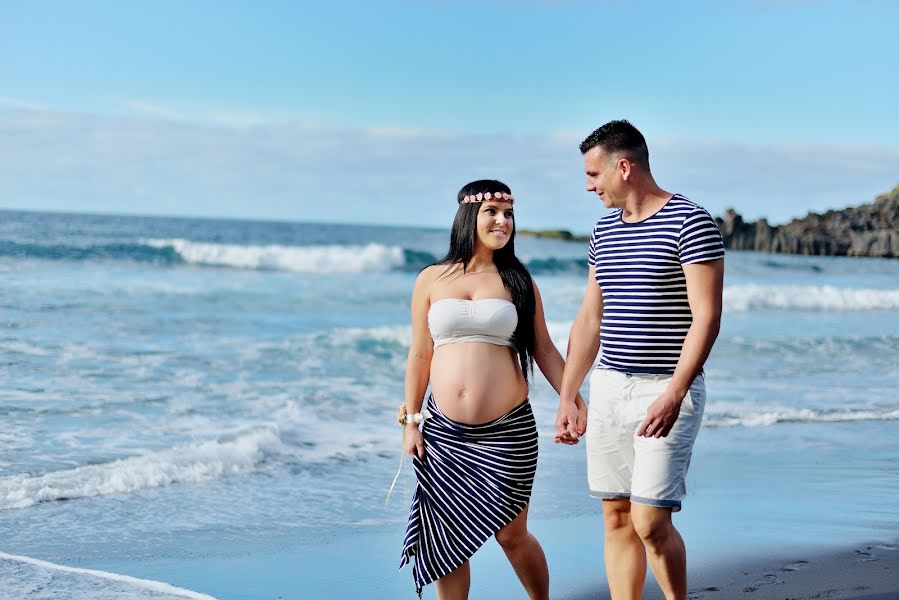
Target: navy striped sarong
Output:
[{"x": 473, "y": 481}]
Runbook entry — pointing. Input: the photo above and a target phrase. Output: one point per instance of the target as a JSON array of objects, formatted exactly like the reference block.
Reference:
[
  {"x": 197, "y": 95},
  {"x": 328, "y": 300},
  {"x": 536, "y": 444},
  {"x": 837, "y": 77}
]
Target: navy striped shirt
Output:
[{"x": 639, "y": 268}]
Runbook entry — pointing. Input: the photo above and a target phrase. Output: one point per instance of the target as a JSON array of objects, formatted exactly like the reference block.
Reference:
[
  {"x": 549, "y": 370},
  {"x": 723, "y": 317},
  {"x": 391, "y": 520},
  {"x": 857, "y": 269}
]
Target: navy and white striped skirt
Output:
[{"x": 473, "y": 481}]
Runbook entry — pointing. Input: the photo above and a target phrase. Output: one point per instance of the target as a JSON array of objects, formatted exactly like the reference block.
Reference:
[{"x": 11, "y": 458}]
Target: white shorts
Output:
[{"x": 621, "y": 465}]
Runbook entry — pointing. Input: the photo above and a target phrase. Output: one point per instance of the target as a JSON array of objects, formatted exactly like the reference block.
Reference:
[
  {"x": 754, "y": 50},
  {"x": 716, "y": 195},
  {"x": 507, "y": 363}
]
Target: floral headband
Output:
[{"x": 501, "y": 196}]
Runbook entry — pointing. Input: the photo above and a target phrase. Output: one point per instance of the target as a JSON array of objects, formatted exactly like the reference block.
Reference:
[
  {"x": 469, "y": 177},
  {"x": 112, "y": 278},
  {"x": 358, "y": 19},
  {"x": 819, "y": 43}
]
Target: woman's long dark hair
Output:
[{"x": 514, "y": 274}]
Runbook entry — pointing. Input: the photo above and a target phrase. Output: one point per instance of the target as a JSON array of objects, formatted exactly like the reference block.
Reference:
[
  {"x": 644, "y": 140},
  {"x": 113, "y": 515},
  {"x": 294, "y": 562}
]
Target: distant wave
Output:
[
  {"x": 850, "y": 347},
  {"x": 194, "y": 463},
  {"x": 382, "y": 258},
  {"x": 76, "y": 582},
  {"x": 329, "y": 259},
  {"x": 861, "y": 346},
  {"x": 792, "y": 265},
  {"x": 827, "y": 298},
  {"x": 716, "y": 417},
  {"x": 300, "y": 259},
  {"x": 136, "y": 252},
  {"x": 392, "y": 334},
  {"x": 550, "y": 265},
  {"x": 335, "y": 258}
]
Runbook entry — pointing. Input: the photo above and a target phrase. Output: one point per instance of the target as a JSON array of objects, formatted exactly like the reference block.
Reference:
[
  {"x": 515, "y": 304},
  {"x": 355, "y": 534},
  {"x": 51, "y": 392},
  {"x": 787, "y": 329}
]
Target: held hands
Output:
[
  {"x": 413, "y": 441},
  {"x": 571, "y": 421},
  {"x": 661, "y": 415}
]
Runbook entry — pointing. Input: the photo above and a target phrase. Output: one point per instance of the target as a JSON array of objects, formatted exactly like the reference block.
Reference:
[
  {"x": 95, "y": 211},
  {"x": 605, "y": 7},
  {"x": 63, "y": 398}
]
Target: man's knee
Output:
[
  {"x": 651, "y": 524},
  {"x": 616, "y": 515}
]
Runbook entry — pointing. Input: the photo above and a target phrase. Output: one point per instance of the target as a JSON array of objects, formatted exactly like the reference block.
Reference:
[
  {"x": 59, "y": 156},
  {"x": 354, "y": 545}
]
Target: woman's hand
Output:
[
  {"x": 571, "y": 422},
  {"x": 413, "y": 441}
]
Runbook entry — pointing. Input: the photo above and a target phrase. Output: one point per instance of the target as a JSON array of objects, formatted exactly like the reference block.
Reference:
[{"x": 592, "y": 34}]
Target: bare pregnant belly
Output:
[{"x": 476, "y": 382}]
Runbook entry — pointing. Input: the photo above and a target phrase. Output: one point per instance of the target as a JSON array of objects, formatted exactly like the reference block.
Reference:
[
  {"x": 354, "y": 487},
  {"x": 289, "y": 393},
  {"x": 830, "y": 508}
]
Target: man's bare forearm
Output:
[
  {"x": 697, "y": 346},
  {"x": 583, "y": 345}
]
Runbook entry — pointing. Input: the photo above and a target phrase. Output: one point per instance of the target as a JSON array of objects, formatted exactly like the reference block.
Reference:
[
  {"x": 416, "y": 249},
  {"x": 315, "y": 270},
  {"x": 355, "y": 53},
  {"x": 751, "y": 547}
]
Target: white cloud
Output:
[
  {"x": 213, "y": 117},
  {"x": 156, "y": 110},
  {"x": 148, "y": 164},
  {"x": 235, "y": 119},
  {"x": 19, "y": 104}
]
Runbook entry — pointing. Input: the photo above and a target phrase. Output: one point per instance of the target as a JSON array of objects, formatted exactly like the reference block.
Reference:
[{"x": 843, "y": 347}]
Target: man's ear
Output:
[{"x": 625, "y": 168}]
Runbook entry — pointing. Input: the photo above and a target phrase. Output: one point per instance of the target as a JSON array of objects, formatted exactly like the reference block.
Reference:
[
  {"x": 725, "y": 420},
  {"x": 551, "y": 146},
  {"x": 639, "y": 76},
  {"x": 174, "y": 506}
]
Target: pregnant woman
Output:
[{"x": 477, "y": 329}]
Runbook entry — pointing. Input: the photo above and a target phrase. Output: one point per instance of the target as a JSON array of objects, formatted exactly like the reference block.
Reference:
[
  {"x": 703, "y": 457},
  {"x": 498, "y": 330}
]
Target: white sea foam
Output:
[
  {"x": 750, "y": 297},
  {"x": 301, "y": 259},
  {"x": 399, "y": 334},
  {"x": 402, "y": 334},
  {"x": 738, "y": 417},
  {"x": 23, "y": 576},
  {"x": 758, "y": 297},
  {"x": 194, "y": 463}
]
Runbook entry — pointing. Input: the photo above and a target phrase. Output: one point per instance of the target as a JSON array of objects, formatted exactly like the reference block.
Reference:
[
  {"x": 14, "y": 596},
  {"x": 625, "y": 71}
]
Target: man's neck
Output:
[{"x": 645, "y": 201}]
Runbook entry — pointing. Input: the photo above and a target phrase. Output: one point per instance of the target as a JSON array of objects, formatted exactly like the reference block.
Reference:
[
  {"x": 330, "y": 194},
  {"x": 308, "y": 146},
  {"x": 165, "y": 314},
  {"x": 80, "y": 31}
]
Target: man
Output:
[{"x": 653, "y": 308}]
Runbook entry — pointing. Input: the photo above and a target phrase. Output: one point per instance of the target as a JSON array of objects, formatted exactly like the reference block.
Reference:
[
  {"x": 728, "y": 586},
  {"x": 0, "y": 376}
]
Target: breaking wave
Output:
[{"x": 193, "y": 463}]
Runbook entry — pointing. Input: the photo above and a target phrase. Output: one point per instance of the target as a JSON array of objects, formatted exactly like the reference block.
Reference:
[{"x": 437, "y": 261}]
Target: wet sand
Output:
[
  {"x": 861, "y": 572},
  {"x": 330, "y": 567}
]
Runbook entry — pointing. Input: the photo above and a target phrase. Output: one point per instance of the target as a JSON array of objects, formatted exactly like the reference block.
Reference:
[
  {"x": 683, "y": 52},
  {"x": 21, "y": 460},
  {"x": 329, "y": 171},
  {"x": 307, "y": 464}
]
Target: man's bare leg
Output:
[
  {"x": 624, "y": 551},
  {"x": 664, "y": 547}
]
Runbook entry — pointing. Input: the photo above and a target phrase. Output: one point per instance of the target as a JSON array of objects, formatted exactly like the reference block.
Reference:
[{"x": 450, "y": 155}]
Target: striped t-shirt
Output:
[{"x": 646, "y": 314}]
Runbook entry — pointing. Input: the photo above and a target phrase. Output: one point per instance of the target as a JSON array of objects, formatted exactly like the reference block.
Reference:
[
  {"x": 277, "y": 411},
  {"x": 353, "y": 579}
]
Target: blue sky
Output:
[{"x": 355, "y": 111}]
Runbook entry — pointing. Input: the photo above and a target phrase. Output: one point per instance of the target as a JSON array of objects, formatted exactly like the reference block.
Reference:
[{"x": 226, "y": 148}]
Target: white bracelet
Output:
[{"x": 418, "y": 417}]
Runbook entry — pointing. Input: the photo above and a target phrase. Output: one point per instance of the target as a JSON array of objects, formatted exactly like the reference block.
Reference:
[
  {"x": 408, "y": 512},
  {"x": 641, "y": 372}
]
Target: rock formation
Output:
[{"x": 867, "y": 230}]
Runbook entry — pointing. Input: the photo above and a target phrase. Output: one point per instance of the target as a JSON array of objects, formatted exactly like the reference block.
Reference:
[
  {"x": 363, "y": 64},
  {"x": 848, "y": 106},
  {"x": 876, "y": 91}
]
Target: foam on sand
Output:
[{"x": 23, "y": 576}]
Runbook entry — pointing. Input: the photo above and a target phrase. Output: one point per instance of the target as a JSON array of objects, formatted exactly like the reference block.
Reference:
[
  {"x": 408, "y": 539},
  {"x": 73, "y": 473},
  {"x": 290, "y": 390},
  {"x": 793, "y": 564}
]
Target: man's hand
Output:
[
  {"x": 571, "y": 421},
  {"x": 661, "y": 415}
]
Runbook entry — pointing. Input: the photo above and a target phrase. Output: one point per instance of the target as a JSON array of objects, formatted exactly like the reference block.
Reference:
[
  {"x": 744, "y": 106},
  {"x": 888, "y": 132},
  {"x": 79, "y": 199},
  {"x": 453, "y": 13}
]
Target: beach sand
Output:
[
  {"x": 866, "y": 572},
  {"x": 777, "y": 518},
  {"x": 363, "y": 564}
]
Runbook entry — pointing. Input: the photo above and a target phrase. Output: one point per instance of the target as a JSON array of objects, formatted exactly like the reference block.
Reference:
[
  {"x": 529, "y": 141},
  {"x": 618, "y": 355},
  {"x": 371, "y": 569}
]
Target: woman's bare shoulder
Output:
[
  {"x": 426, "y": 278},
  {"x": 432, "y": 273},
  {"x": 429, "y": 274}
]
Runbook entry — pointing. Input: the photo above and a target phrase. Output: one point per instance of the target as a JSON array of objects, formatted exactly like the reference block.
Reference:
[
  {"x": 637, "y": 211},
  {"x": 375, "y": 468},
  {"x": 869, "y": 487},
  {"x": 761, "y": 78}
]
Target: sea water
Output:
[{"x": 176, "y": 389}]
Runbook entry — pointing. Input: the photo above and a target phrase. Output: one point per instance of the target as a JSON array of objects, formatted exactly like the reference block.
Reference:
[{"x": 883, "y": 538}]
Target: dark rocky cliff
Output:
[{"x": 867, "y": 230}]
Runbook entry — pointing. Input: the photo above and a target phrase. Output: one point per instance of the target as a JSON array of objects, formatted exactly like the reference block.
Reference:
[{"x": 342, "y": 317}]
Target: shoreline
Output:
[{"x": 573, "y": 546}]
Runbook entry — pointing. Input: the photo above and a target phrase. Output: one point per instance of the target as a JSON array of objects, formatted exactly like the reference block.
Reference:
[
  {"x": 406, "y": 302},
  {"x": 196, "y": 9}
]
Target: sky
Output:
[{"x": 378, "y": 112}]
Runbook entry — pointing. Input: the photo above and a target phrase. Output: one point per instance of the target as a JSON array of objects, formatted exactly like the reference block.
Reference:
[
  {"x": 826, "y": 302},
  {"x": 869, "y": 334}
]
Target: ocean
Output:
[{"x": 179, "y": 393}]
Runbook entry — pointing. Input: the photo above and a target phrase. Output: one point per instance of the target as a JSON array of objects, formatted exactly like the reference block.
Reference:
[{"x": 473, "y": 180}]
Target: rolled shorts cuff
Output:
[
  {"x": 672, "y": 504},
  {"x": 610, "y": 495}
]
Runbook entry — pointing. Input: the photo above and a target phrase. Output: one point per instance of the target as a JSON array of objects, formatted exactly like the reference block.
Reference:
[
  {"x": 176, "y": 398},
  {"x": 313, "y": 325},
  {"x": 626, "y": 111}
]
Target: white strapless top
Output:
[{"x": 490, "y": 321}]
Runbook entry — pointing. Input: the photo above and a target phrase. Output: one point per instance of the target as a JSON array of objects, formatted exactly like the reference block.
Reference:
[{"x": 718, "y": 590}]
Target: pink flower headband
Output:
[{"x": 501, "y": 196}]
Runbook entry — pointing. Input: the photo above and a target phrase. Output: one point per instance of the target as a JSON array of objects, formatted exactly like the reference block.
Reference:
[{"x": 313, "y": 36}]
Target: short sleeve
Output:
[
  {"x": 700, "y": 239},
  {"x": 591, "y": 249}
]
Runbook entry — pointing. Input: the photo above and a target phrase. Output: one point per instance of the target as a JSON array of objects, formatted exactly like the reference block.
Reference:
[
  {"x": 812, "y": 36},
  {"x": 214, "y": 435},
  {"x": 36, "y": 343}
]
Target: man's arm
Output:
[
  {"x": 705, "y": 284},
  {"x": 583, "y": 344}
]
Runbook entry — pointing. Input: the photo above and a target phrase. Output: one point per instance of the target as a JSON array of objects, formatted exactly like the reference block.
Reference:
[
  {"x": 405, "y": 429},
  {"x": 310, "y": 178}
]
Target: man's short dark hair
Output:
[{"x": 619, "y": 137}]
